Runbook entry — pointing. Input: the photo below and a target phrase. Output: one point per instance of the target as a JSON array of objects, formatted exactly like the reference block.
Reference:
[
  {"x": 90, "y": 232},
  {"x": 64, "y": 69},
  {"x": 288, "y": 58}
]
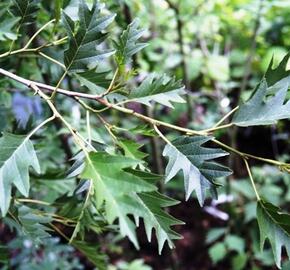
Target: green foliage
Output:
[
  {"x": 257, "y": 111},
  {"x": 267, "y": 105},
  {"x": 126, "y": 193},
  {"x": 100, "y": 146},
  {"x": 92, "y": 252},
  {"x": 161, "y": 89},
  {"x": 187, "y": 154},
  {"x": 25, "y": 9},
  {"x": 273, "y": 225},
  {"x": 17, "y": 155},
  {"x": 7, "y": 24},
  {"x": 217, "y": 252},
  {"x": 32, "y": 223},
  {"x": 94, "y": 80},
  {"x": 273, "y": 75},
  {"x": 128, "y": 44},
  {"x": 83, "y": 42}
]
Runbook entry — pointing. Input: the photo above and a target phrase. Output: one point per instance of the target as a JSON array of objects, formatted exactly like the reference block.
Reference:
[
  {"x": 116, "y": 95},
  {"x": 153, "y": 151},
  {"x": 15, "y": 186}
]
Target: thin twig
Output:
[{"x": 252, "y": 180}]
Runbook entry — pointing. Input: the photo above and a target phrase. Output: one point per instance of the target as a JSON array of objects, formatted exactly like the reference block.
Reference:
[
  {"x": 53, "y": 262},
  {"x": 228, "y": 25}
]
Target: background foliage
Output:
[{"x": 105, "y": 195}]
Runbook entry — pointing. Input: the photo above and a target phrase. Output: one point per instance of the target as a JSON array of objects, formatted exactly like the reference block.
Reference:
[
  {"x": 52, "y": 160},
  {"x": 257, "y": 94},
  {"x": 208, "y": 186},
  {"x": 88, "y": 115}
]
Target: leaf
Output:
[
  {"x": 236, "y": 243},
  {"x": 214, "y": 234},
  {"x": 82, "y": 49},
  {"x": 32, "y": 223},
  {"x": 16, "y": 156},
  {"x": 94, "y": 80},
  {"x": 125, "y": 193},
  {"x": 92, "y": 253},
  {"x": 161, "y": 89},
  {"x": 131, "y": 150},
  {"x": 187, "y": 154},
  {"x": 274, "y": 75},
  {"x": 128, "y": 44},
  {"x": 25, "y": 9},
  {"x": 7, "y": 24},
  {"x": 267, "y": 104},
  {"x": 150, "y": 209},
  {"x": 217, "y": 252},
  {"x": 275, "y": 226},
  {"x": 258, "y": 111}
]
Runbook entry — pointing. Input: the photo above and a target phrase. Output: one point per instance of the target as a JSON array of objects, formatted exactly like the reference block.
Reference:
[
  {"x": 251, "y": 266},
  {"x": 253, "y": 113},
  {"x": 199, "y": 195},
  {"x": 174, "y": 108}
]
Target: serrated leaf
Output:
[
  {"x": 25, "y": 9},
  {"x": 83, "y": 44},
  {"x": 132, "y": 150},
  {"x": 16, "y": 156},
  {"x": 260, "y": 110},
  {"x": 187, "y": 154},
  {"x": 150, "y": 209},
  {"x": 274, "y": 75},
  {"x": 7, "y": 24},
  {"x": 128, "y": 44},
  {"x": 161, "y": 89},
  {"x": 92, "y": 252},
  {"x": 124, "y": 193},
  {"x": 267, "y": 103},
  {"x": 33, "y": 223},
  {"x": 275, "y": 226},
  {"x": 94, "y": 80}
]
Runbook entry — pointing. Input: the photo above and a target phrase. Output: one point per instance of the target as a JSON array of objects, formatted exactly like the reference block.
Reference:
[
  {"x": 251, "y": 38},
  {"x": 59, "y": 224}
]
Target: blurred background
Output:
[{"x": 220, "y": 49}]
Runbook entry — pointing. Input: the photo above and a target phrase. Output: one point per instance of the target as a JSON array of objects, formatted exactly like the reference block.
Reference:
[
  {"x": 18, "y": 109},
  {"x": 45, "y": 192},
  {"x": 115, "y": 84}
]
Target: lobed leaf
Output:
[
  {"x": 161, "y": 89},
  {"x": 258, "y": 111},
  {"x": 33, "y": 223},
  {"x": 17, "y": 155},
  {"x": 124, "y": 192},
  {"x": 275, "y": 226},
  {"x": 25, "y": 9},
  {"x": 187, "y": 154},
  {"x": 83, "y": 45},
  {"x": 128, "y": 44},
  {"x": 268, "y": 103}
]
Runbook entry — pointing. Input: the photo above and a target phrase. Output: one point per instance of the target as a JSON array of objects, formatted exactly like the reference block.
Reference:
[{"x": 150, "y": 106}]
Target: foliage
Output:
[
  {"x": 96, "y": 150},
  {"x": 187, "y": 154},
  {"x": 17, "y": 155}
]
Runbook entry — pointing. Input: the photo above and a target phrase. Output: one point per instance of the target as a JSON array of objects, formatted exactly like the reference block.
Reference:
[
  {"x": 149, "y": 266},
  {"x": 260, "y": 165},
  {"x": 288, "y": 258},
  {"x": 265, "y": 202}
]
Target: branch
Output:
[{"x": 154, "y": 122}]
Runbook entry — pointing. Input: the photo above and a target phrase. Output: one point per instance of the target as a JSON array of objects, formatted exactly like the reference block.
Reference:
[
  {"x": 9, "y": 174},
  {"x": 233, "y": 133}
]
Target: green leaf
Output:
[
  {"x": 150, "y": 209},
  {"x": 94, "y": 80},
  {"x": 274, "y": 75},
  {"x": 25, "y": 9},
  {"x": 82, "y": 49},
  {"x": 275, "y": 226},
  {"x": 92, "y": 252},
  {"x": 267, "y": 104},
  {"x": 161, "y": 89},
  {"x": 217, "y": 252},
  {"x": 214, "y": 234},
  {"x": 235, "y": 243},
  {"x": 7, "y": 24},
  {"x": 131, "y": 150},
  {"x": 239, "y": 261},
  {"x": 17, "y": 155},
  {"x": 125, "y": 193},
  {"x": 263, "y": 110},
  {"x": 32, "y": 223},
  {"x": 187, "y": 154},
  {"x": 128, "y": 44}
]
